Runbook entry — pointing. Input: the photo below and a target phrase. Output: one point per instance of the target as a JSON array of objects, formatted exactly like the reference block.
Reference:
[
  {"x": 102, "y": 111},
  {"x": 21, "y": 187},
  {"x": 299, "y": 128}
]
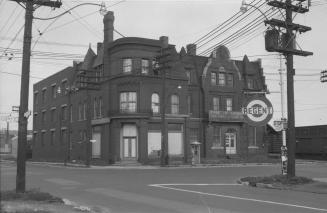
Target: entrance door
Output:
[
  {"x": 129, "y": 142},
  {"x": 96, "y": 145},
  {"x": 230, "y": 142},
  {"x": 129, "y": 147}
]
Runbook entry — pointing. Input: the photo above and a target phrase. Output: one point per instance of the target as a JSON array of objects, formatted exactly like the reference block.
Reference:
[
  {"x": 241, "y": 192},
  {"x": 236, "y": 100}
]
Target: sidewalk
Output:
[{"x": 140, "y": 166}]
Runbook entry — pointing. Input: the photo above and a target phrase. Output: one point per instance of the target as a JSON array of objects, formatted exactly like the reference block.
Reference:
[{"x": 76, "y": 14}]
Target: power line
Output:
[
  {"x": 15, "y": 74},
  {"x": 69, "y": 22},
  {"x": 13, "y": 40},
  {"x": 239, "y": 33},
  {"x": 9, "y": 18},
  {"x": 49, "y": 43},
  {"x": 219, "y": 27}
]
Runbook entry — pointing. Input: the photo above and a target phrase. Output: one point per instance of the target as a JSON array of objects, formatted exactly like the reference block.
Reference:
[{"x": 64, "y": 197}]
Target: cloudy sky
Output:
[{"x": 57, "y": 42}]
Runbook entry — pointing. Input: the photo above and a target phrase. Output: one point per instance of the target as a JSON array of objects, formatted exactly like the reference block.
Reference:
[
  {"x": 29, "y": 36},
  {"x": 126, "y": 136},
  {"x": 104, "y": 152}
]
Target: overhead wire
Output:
[
  {"x": 235, "y": 23},
  {"x": 219, "y": 27},
  {"x": 248, "y": 39},
  {"x": 9, "y": 18},
  {"x": 247, "y": 28},
  {"x": 13, "y": 40}
]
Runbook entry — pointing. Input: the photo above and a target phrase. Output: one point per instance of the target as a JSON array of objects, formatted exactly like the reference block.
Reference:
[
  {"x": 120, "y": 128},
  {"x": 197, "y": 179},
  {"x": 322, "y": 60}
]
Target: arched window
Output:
[
  {"x": 174, "y": 104},
  {"x": 155, "y": 103}
]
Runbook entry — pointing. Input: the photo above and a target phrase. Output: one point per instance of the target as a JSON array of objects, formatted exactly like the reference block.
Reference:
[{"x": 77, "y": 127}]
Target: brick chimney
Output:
[
  {"x": 164, "y": 41},
  {"x": 191, "y": 49},
  {"x": 108, "y": 22}
]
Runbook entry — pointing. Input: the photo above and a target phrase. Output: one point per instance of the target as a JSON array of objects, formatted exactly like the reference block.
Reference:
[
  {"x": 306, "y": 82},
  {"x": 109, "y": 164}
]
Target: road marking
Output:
[
  {"x": 168, "y": 186},
  {"x": 196, "y": 184},
  {"x": 63, "y": 182}
]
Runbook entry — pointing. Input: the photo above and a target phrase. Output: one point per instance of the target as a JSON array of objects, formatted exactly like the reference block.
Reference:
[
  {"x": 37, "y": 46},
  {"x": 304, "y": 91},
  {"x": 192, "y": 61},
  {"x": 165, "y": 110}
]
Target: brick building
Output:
[{"x": 203, "y": 99}]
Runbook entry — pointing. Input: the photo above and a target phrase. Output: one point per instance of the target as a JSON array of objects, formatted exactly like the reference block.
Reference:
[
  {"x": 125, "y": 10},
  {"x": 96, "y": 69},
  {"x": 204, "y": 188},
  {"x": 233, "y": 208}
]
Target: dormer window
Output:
[
  {"x": 250, "y": 83},
  {"x": 221, "y": 79},
  {"x": 127, "y": 65}
]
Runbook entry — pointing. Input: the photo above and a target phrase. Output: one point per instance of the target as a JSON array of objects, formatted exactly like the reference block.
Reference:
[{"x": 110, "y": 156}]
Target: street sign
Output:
[
  {"x": 278, "y": 125},
  {"x": 257, "y": 111}
]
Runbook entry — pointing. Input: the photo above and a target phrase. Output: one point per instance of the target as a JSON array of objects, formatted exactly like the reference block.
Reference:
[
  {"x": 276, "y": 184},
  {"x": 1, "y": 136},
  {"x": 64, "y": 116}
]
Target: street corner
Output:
[{"x": 85, "y": 208}]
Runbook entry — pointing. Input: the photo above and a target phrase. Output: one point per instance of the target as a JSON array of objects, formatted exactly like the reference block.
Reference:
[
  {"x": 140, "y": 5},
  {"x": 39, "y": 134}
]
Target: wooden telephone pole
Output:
[
  {"x": 285, "y": 44},
  {"x": 24, "y": 89}
]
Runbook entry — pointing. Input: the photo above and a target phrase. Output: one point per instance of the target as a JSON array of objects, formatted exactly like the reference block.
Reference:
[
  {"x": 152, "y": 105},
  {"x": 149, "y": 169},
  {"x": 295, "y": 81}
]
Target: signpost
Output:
[{"x": 257, "y": 111}]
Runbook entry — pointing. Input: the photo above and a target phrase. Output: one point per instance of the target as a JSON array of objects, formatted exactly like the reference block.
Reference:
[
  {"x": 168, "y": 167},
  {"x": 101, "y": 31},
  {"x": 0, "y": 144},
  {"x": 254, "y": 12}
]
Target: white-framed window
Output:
[
  {"x": 100, "y": 104},
  {"x": 230, "y": 80},
  {"x": 215, "y": 103},
  {"x": 194, "y": 135},
  {"x": 64, "y": 113},
  {"x": 155, "y": 67},
  {"x": 213, "y": 78},
  {"x": 216, "y": 137},
  {"x": 127, "y": 65},
  {"x": 95, "y": 108},
  {"x": 128, "y": 101},
  {"x": 52, "y": 137},
  {"x": 44, "y": 94},
  {"x": 155, "y": 103},
  {"x": 53, "y": 115},
  {"x": 221, "y": 79},
  {"x": 84, "y": 110},
  {"x": 188, "y": 75},
  {"x": 42, "y": 138},
  {"x": 71, "y": 113},
  {"x": 229, "y": 104},
  {"x": 80, "y": 111},
  {"x": 250, "y": 83},
  {"x": 53, "y": 91},
  {"x": 174, "y": 104},
  {"x": 189, "y": 104},
  {"x": 145, "y": 66},
  {"x": 43, "y": 116},
  {"x": 36, "y": 96}
]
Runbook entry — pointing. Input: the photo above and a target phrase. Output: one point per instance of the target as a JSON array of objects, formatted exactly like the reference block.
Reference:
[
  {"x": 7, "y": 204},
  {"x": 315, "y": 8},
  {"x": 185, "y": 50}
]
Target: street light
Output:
[{"x": 244, "y": 8}]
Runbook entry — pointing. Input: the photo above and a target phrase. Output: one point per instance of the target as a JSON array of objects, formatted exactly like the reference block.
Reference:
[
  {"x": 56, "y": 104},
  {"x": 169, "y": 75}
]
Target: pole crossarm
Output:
[
  {"x": 284, "y": 5},
  {"x": 293, "y": 51},
  {"x": 291, "y": 26}
]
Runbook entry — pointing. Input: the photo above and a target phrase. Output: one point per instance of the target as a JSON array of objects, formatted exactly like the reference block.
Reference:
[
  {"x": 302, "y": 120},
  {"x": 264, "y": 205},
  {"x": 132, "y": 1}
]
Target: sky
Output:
[{"x": 57, "y": 42}]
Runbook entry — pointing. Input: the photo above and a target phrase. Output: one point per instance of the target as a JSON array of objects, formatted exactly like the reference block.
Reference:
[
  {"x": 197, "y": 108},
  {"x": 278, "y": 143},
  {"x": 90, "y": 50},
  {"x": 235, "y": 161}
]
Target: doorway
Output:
[{"x": 230, "y": 142}]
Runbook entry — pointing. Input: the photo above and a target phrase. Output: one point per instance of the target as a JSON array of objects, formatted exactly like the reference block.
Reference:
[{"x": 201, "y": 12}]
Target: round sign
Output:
[{"x": 257, "y": 111}]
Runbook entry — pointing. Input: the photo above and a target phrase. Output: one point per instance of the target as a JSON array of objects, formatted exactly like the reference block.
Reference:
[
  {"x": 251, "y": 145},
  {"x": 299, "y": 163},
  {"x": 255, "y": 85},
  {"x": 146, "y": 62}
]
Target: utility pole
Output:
[
  {"x": 281, "y": 83},
  {"x": 284, "y": 44},
  {"x": 86, "y": 81},
  {"x": 163, "y": 60},
  {"x": 24, "y": 89}
]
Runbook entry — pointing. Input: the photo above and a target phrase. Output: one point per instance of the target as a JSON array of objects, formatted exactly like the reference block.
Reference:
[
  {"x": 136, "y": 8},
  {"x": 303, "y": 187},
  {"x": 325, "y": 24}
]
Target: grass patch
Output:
[
  {"x": 30, "y": 195},
  {"x": 277, "y": 180}
]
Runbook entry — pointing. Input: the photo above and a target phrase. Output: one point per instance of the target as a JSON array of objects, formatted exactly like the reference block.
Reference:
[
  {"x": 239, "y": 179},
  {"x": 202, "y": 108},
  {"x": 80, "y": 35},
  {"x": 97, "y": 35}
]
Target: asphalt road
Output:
[{"x": 170, "y": 189}]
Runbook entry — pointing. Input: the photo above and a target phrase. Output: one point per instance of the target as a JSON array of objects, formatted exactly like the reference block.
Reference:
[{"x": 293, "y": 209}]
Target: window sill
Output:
[
  {"x": 253, "y": 147},
  {"x": 217, "y": 147}
]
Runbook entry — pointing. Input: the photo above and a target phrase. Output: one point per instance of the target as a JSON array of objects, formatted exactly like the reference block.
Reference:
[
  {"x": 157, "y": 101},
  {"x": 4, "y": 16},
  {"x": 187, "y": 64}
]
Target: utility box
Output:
[
  {"x": 195, "y": 148},
  {"x": 272, "y": 40},
  {"x": 286, "y": 43}
]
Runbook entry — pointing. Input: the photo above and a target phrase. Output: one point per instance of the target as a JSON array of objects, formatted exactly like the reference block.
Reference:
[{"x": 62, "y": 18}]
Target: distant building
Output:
[
  {"x": 203, "y": 103},
  {"x": 311, "y": 141}
]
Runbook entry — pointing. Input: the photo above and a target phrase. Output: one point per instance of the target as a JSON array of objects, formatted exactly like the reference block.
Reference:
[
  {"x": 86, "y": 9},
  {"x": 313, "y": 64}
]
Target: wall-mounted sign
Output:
[
  {"x": 257, "y": 111},
  {"x": 225, "y": 116}
]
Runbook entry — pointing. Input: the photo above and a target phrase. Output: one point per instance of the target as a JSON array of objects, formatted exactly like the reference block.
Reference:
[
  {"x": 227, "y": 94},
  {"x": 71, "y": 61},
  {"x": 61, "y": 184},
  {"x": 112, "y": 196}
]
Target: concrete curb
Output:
[{"x": 74, "y": 165}]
